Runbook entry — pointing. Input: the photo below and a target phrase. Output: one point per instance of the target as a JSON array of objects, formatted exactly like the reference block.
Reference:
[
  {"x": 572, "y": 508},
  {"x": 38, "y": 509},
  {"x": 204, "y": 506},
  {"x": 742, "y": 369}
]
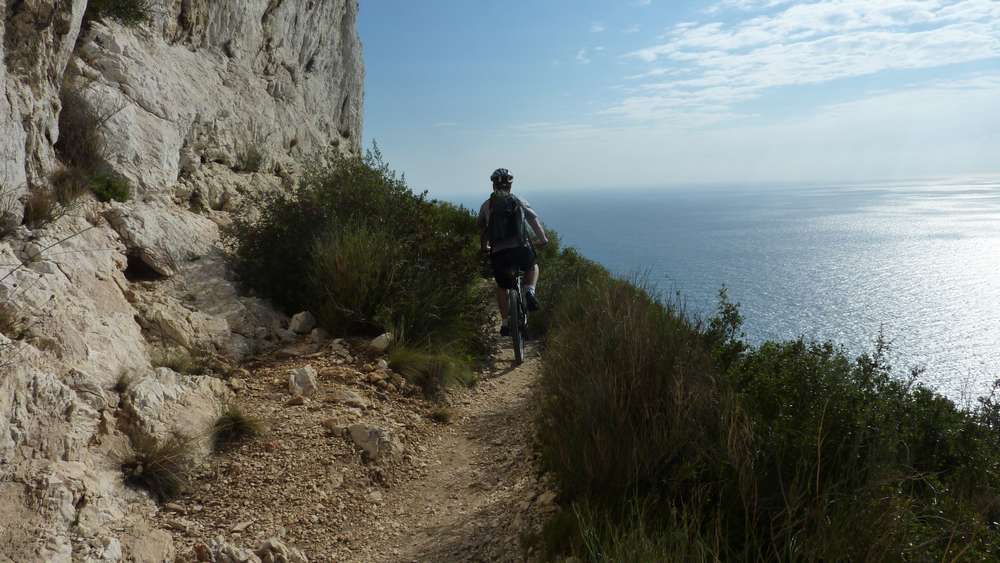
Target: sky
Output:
[{"x": 602, "y": 94}]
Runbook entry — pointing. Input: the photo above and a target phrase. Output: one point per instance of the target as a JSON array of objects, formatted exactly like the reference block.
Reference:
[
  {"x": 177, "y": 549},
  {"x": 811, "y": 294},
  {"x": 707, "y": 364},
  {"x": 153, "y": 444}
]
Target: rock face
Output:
[{"x": 207, "y": 102}]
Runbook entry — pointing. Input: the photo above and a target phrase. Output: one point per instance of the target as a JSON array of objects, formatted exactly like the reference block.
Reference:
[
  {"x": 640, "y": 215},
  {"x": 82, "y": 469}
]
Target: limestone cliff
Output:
[{"x": 203, "y": 103}]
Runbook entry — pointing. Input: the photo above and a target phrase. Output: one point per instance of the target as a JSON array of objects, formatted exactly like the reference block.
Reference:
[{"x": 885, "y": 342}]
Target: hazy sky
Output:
[{"x": 599, "y": 93}]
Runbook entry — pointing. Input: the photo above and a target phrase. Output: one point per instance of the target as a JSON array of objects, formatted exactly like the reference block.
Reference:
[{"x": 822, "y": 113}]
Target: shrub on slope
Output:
[
  {"x": 355, "y": 245},
  {"x": 786, "y": 451}
]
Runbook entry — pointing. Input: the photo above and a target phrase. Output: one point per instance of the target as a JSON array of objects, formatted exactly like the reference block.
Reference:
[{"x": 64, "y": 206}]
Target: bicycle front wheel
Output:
[{"x": 515, "y": 322}]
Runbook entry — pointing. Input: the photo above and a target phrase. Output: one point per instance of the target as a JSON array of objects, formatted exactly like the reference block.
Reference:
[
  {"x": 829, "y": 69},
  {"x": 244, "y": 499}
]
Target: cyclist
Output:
[{"x": 502, "y": 234}]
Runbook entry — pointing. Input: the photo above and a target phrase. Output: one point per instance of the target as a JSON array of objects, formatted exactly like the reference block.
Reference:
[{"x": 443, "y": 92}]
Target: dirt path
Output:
[
  {"x": 463, "y": 491},
  {"x": 474, "y": 504}
]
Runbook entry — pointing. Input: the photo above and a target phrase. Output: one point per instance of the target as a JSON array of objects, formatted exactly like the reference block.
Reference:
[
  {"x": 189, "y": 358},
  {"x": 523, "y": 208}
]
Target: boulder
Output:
[
  {"x": 302, "y": 323},
  {"x": 381, "y": 343},
  {"x": 343, "y": 395},
  {"x": 376, "y": 443},
  {"x": 302, "y": 381}
]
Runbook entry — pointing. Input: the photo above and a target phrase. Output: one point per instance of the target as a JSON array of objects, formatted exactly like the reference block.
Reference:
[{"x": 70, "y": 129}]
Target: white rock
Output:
[
  {"x": 302, "y": 381},
  {"x": 273, "y": 550},
  {"x": 302, "y": 323},
  {"x": 376, "y": 443},
  {"x": 381, "y": 343}
]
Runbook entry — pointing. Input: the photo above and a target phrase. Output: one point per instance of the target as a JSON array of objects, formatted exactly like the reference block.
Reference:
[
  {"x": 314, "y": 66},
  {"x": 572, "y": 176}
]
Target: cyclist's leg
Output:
[
  {"x": 503, "y": 264},
  {"x": 531, "y": 278},
  {"x": 502, "y": 303}
]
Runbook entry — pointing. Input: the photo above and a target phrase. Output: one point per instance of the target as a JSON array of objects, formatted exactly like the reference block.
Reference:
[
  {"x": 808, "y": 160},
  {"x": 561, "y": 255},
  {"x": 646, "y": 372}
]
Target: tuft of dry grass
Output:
[
  {"x": 40, "y": 208},
  {"x": 80, "y": 144},
  {"x": 68, "y": 184},
  {"x": 162, "y": 469},
  {"x": 233, "y": 427},
  {"x": 441, "y": 415},
  {"x": 124, "y": 381},
  {"x": 179, "y": 360},
  {"x": 11, "y": 323}
]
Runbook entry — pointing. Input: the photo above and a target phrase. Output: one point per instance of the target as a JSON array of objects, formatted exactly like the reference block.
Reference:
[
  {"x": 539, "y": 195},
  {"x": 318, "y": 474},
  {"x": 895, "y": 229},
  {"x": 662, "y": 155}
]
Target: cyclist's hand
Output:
[{"x": 542, "y": 243}]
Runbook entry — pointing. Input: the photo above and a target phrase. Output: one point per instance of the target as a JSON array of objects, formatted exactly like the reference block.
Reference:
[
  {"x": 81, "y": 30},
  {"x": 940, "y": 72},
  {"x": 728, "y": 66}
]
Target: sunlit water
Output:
[{"x": 920, "y": 260}]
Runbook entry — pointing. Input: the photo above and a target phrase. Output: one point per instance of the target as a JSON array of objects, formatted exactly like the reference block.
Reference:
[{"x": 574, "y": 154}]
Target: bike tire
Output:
[{"x": 516, "y": 324}]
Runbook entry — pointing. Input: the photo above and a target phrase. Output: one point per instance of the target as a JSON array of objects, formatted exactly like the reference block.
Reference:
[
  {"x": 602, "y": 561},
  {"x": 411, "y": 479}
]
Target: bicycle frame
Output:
[{"x": 517, "y": 316}]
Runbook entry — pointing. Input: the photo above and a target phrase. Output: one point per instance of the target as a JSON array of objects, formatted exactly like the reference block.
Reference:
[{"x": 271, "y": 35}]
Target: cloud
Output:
[
  {"x": 939, "y": 128},
  {"x": 643, "y": 2},
  {"x": 631, "y": 29},
  {"x": 745, "y": 5},
  {"x": 706, "y": 69},
  {"x": 596, "y": 27},
  {"x": 581, "y": 57}
]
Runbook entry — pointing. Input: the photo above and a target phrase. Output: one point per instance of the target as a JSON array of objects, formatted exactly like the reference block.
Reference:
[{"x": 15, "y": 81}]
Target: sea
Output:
[{"x": 918, "y": 261}]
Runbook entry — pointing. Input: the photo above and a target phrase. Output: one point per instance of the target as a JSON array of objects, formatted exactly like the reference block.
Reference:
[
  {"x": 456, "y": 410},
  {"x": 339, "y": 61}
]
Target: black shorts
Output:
[{"x": 506, "y": 261}]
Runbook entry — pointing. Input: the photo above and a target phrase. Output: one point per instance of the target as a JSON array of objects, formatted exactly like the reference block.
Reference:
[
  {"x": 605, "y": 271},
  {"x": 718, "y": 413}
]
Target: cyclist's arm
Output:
[
  {"x": 536, "y": 226},
  {"x": 482, "y": 221}
]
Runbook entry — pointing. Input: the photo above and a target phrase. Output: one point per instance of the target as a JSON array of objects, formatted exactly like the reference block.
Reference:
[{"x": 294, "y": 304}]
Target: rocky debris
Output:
[
  {"x": 302, "y": 323},
  {"x": 381, "y": 343},
  {"x": 302, "y": 381},
  {"x": 376, "y": 443}
]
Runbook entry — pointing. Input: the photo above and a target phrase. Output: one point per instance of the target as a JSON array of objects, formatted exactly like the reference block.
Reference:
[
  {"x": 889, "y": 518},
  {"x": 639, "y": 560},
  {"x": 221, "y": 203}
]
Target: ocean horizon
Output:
[{"x": 915, "y": 260}]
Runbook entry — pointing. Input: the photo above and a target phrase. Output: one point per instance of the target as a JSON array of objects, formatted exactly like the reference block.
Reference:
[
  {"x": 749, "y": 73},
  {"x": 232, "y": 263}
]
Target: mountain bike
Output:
[{"x": 517, "y": 316}]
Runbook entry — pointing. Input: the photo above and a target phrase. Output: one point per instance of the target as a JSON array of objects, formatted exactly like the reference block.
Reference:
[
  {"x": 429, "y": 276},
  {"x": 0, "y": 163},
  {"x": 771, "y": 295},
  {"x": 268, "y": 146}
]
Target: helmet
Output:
[{"x": 501, "y": 176}]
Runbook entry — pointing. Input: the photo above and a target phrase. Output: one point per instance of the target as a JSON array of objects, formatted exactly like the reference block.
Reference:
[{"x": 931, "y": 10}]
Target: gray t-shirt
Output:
[{"x": 484, "y": 224}]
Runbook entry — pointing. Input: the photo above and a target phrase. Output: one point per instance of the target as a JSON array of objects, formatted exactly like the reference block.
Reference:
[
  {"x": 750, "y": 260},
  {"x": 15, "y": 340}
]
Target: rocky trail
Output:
[{"x": 365, "y": 470}]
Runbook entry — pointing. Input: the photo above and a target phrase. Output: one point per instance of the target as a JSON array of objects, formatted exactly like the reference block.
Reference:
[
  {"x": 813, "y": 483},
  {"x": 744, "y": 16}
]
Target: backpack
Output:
[{"x": 506, "y": 219}]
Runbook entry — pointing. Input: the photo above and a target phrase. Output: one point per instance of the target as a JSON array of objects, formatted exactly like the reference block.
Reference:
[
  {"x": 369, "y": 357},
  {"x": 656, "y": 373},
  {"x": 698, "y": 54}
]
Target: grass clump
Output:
[
  {"x": 12, "y": 323},
  {"x": 40, "y": 208},
  {"x": 179, "y": 360},
  {"x": 109, "y": 187},
  {"x": 68, "y": 184},
  {"x": 784, "y": 451},
  {"x": 159, "y": 468},
  {"x": 432, "y": 373},
  {"x": 130, "y": 13},
  {"x": 441, "y": 415},
  {"x": 234, "y": 427},
  {"x": 376, "y": 256},
  {"x": 123, "y": 382}
]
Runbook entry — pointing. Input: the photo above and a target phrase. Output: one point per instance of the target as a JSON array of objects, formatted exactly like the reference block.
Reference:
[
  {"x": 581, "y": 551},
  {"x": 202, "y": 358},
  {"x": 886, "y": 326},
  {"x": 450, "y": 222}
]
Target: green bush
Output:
[
  {"x": 108, "y": 187},
  {"x": 355, "y": 272},
  {"x": 356, "y": 246},
  {"x": 129, "y": 13},
  {"x": 785, "y": 451}
]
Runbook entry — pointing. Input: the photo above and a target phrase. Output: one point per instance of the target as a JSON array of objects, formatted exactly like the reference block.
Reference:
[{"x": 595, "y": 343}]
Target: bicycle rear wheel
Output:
[{"x": 515, "y": 321}]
